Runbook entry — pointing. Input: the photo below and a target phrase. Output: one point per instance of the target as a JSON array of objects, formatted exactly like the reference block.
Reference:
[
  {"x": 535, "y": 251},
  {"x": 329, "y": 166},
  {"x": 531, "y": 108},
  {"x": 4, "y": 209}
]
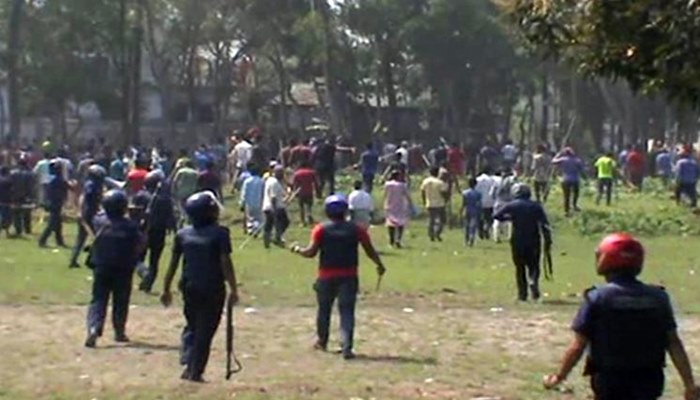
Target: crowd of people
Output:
[{"x": 128, "y": 201}]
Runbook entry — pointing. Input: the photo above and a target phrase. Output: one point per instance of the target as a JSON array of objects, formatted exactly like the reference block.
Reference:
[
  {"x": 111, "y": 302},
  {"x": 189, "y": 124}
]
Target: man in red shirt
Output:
[
  {"x": 300, "y": 154},
  {"x": 635, "y": 167},
  {"x": 455, "y": 160},
  {"x": 336, "y": 242},
  {"x": 136, "y": 178},
  {"x": 304, "y": 183},
  {"x": 286, "y": 153}
]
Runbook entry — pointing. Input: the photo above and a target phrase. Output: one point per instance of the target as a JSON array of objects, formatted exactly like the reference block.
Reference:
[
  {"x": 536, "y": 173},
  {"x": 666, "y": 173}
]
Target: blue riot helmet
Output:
[
  {"x": 115, "y": 203},
  {"x": 336, "y": 206},
  {"x": 202, "y": 208}
]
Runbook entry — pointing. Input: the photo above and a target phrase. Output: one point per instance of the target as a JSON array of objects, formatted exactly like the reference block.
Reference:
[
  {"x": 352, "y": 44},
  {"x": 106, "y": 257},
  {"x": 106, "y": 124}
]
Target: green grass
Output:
[{"x": 437, "y": 277}]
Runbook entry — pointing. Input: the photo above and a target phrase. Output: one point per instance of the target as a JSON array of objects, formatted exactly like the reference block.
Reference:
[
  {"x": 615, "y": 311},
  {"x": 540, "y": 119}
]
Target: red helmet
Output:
[{"x": 619, "y": 252}]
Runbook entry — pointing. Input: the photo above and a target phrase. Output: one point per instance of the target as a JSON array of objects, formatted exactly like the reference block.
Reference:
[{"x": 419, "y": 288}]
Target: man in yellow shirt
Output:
[
  {"x": 605, "y": 167},
  {"x": 434, "y": 192}
]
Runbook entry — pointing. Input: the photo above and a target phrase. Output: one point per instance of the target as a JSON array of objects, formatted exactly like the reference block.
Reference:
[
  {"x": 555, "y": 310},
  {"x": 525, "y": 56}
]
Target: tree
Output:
[
  {"x": 13, "y": 57},
  {"x": 650, "y": 44}
]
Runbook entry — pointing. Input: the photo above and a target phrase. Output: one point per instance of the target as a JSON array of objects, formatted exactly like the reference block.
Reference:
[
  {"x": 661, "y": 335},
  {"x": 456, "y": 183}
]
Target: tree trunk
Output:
[
  {"x": 328, "y": 70},
  {"x": 388, "y": 75},
  {"x": 14, "y": 48},
  {"x": 123, "y": 66},
  {"x": 135, "y": 125},
  {"x": 3, "y": 115},
  {"x": 544, "y": 128}
]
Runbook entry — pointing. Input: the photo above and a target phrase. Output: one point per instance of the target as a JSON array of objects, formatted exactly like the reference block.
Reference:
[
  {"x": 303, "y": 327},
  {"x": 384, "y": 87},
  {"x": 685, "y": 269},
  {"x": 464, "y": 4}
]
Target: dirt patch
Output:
[{"x": 404, "y": 354}]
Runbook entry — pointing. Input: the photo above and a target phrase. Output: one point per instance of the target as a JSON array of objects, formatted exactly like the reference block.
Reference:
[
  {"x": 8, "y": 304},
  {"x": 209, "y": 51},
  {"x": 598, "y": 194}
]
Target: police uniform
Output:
[
  {"x": 23, "y": 198},
  {"x": 203, "y": 289},
  {"x": 5, "y": 200},
  {"x": 627, "y": 324},
  {"x": 337, "y": 278},
  {"x": 529, "y": 225},
  {"x": 159, "y": 219},
  {"x": 113, "y": 257},
  {"x": 92, "y": 195}
]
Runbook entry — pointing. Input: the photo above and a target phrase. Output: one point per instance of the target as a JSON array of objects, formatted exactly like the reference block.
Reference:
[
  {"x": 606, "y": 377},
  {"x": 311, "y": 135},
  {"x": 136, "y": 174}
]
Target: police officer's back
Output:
[
  {"x": 206, "y": 249},
  {"x": 113, "y": 257},
  {"x": 629, "y": 326},
  {"x": 530, "y": 226}
]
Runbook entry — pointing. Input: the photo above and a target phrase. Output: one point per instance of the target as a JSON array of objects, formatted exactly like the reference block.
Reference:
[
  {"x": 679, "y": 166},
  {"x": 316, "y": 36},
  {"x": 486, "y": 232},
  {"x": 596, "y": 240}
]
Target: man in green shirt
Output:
[
  {"x": 184, "y": 184},
  {"x": 605, "y": 167}
]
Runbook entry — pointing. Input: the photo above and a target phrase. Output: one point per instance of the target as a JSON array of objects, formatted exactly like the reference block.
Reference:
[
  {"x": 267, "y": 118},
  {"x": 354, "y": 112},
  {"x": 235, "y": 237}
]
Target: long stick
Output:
[
  {"x": 233, "y": 366},
  {"x": 379, "y": 282}
]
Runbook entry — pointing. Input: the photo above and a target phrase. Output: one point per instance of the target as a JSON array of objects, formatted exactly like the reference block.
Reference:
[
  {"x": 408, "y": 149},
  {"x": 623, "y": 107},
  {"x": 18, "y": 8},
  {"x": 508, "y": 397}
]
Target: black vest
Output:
[
  {"x": 630, "y": 329},
  {"x": 339, "y": 242}
]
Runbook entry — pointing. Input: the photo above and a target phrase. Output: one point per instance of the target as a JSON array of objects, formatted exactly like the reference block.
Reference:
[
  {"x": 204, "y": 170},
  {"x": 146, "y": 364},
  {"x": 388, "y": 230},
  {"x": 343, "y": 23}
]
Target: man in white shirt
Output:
[
  {"x": 275, "y": 208},
  {"x": 361, "y": 206},
  {"x": 502, "y": 193},
  {"x": 403, "y": 151},
  {"x": 484, "y": 185},
  {"x": 241, "y": 155}
]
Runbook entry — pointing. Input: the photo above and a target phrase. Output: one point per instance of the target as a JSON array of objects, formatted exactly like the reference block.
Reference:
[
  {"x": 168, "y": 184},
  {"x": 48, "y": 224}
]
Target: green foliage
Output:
[{"x": 651, "y": 44}]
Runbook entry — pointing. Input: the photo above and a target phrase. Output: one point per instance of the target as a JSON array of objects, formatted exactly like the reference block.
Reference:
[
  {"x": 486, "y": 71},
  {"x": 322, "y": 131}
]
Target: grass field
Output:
[{"x": 444, "y": 326}]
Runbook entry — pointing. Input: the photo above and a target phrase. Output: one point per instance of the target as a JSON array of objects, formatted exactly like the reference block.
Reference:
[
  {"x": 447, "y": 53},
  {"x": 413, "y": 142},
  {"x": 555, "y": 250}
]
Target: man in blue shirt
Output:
[
  {"x": 664, "y": 166},
  {"x": 117, "y": 169},
  {"x": 251, "y": 200},
  {"x": 23, "y": 196},
  {"x": 571, "y": 169},
  {"x": 687, "y": 174},
  {"x": 56, "y": 195},
  {"x": 530, "y": 226},
  {"x": 369, "y": 163},
  {"x": 206, "y": 249},
  {"x": 628, "y": 327},
  {"x": 89, "y": 206},
  {"x": 471, "y": 209}
]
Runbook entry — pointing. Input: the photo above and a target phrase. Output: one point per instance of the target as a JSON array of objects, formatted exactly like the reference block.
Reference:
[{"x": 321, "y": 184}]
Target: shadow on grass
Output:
[
  {"x": 562, "y": 302},
  {"x": 142, "y": 346},
  {"x": 396, "y": 359}
]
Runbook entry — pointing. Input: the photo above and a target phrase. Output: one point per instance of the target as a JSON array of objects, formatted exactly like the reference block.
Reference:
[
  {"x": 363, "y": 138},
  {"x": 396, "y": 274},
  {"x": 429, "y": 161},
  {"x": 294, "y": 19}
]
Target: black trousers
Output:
[
  {"x": 605, "y": 187},
  {"x": 53, "y": 225},
  {"x": 80, "y": 240},
  {"x": 203, "y": 314},
  {"x": 485, "y": 223},
  {"x": 368, "y": 182},
  {"x": 527, "y": 268},
  {"x": 156, "y": 244},
  {"x": 326, "y": 176},
  {"x": 437, "y": 218},
  {"x": 277, "y": 220},
  {"x": 5, "y": 217},
  {"x": 571, "y": 193},
  {"x": 541, "y": 191},
  {"x": 628, "y": 385},
  {"x": 116, "y": 284},
  {"x": 22, "y": 218},
  {"x": 345, "y": 290},
  {"x": 688, "y": 189}
]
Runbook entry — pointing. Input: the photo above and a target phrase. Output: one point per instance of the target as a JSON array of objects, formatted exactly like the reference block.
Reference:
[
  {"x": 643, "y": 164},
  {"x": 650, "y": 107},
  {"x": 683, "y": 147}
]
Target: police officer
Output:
[
  {"x": 530, "y": 225},
  {"x": 23, "y": 196},
  {"x": 56, "y": 195},
  {"x": 113, "y": 256},
  {"x": 336, "y": 242},
  {"x": 206, "y": 248},
  {"x": 159, "y": 219},
  {"x": 89, "y": 206},
  {"x": 5, "y": 199},
  {"x": 628, "y": 327}
]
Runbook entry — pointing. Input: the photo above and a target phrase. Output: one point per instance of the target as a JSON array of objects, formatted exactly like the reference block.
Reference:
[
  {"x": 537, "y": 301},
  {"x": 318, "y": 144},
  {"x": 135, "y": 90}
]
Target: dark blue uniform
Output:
[
  {"x": 159, "y": 219},
  {"x": 203, "y": 290},
  {"x": 92, "y": 196},
  {"x": 5, "y": 201},
  {"x": 627, "y": 324},
  {"x": 337, "y": 278},
  {"x": 23, "y": 198},
  {"x": 113, "y": 258},
  {"x": 530, "y": 224},
  {"x": 56, "y": 194}
]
